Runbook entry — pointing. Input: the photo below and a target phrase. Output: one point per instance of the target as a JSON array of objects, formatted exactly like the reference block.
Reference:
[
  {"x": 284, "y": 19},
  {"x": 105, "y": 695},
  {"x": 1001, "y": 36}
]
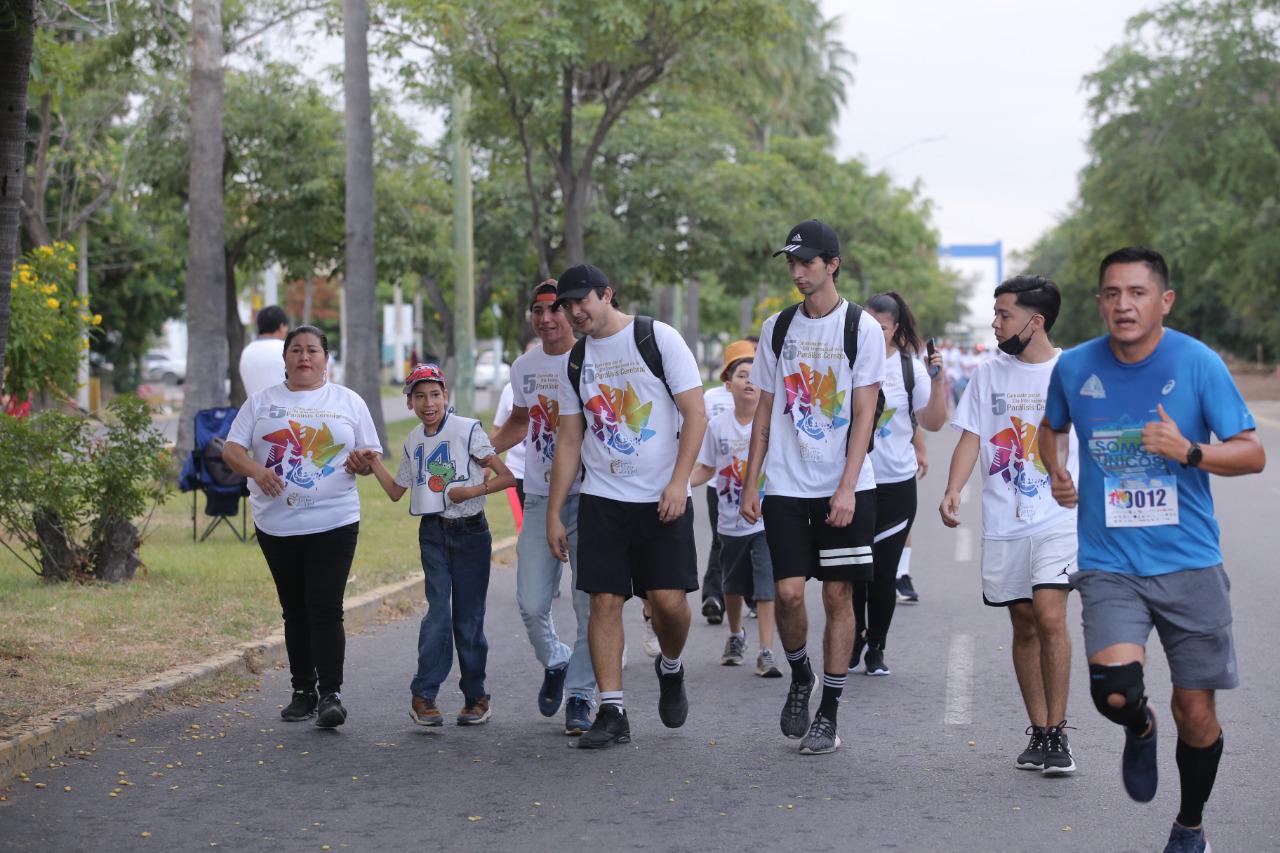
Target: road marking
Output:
[
  {"x": 964, "y": 545},
  {"x": 959, "y": 681}
]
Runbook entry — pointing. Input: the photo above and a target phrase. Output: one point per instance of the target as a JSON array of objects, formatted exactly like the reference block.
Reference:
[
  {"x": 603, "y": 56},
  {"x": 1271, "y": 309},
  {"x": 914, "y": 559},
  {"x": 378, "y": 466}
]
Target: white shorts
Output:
[{"x": 1012, "y": 569}]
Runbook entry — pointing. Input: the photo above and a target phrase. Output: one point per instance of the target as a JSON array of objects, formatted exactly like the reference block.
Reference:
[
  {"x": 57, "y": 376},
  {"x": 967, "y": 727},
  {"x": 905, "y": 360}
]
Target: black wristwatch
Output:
[{"x": 1194, "y": 455}]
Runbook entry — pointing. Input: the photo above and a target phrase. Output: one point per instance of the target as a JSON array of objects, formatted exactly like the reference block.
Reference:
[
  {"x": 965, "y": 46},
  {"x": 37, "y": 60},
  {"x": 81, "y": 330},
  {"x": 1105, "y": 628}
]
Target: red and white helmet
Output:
[{"x": 422, "y": 373}]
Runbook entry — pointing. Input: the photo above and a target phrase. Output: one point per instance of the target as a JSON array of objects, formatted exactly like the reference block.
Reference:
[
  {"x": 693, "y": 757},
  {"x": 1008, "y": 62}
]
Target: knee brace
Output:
[{"x": 1125, "y": 680}]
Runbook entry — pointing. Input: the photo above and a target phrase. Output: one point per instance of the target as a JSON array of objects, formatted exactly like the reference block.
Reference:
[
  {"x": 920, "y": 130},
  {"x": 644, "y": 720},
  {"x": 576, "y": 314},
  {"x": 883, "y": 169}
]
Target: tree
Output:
[{"x": 17, "y": 34}]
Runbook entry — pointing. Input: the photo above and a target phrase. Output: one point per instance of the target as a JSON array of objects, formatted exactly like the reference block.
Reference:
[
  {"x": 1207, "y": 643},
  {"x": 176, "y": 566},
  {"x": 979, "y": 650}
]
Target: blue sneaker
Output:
[
  {"x": 577, "y": 716},
  {"x": 552, "y": 692},
  {"x": 1183, "y": 840},
  {"x": 1138, "y": 766}
]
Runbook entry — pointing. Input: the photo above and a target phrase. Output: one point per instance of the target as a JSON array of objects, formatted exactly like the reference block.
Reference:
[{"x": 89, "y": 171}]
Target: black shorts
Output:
[
  {"x": 803, "y": 545},
  {"x": 624, "y": 549}
]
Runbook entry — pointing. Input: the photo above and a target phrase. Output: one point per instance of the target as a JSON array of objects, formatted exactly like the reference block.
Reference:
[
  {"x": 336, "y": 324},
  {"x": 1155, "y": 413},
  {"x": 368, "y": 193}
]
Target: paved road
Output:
[{"x": 927, "y": 761}]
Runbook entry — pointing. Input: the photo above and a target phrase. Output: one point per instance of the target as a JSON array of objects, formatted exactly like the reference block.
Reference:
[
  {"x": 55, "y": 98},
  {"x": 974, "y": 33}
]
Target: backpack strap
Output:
[
  {"x": 647, "y": 343},
  {"x": 574, "y": 367},
  {"x": 780, "y": 327},
  {"x": 909, "y": 382},
  {"x": 852, "y": 318}
]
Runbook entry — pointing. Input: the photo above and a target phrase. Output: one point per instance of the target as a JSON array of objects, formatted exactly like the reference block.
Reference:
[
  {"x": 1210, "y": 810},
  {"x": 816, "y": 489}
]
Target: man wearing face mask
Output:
[{"x": 1028, "y": 540}]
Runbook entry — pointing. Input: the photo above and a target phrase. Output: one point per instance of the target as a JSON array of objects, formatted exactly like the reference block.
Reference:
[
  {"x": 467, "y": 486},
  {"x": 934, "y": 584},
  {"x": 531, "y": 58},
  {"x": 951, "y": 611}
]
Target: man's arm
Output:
[
  {"x": 564, "y": 469},
  {"x": 749, "y": 508},
  {"x": 513, "y": 430},
  {"x": 675, "y": 496},
  {"x": 1238, "y": 455},
  {"x": 934, "y": 414},
  {"x": 962, "y": 461},
  {"x": 1054, "y": 448},
  {"x": 701, "y": 474},
  {"x": 843, "y": 501}
]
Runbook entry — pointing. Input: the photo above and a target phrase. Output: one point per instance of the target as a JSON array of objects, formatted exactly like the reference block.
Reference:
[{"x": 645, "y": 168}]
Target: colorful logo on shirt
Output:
[
  {"x": 731, "y": 479},
  {"x": 544, "y": 419},
  {"x": 1017, "y": 459},
  {"x": 813, "y": 401},
  {"x": 620, "y": 419},
  {"x": 1119, "y": 452},
  {"x": 882, "y": 427},
  {"x": 302, "y": 455},
  {"x": 438, "y": 470}
]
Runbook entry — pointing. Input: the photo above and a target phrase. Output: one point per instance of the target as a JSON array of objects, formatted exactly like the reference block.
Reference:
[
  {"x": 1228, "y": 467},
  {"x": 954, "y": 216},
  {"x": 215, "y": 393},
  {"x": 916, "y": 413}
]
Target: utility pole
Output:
[
  {"x": 82, "y": 291},
  {"x": 464, "y": 261}
]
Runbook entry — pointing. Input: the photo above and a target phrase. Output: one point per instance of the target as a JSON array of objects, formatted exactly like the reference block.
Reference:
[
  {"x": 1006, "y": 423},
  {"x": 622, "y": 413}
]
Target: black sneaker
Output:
[
  {"x": 1138, "y": 764},
  {"x": 1058, "y": 760},
  {"x": 552, "y": 692},
  {"x": 874, "y": 660},
  {"x": 673, "y": 705},
  {"x": 859, "y": 646},
  {"x": 301, "y": 707},
  {"x": 330, "y": 714},
  {"x": 1032, "y": 758},
  {"x": 577, "y": 716},
  {"x": 1184, "y": 840},
  {"x": 906, "y": 592},
  {"x": 713, "y": 609},
  {"x": 610, "y": 727},
  {"x": 822, "y": 737},
  {"x": 795, "y": 713}
]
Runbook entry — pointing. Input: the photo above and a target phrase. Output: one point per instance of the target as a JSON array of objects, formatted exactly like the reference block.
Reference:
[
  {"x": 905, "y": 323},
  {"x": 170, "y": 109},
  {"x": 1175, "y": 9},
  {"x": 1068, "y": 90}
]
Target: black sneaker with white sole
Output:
[
  {"x": 301, "y": 707},
  {"x": 713, "y": 609},
  {"x": 1058, "y": 760},
  {"x": 795, "y": 713},
  {"x": 1032, "y": 758},
  {"x": 610, "y": 727},
  {"x": 906, "y": 591},
  {"x": 859, "y": 646},
  {"x": 873, "y": 660},
  {"x": 673, "y": 704},
  {"x": 821, "y": 738},
  {"x": 330, "y": 714}
]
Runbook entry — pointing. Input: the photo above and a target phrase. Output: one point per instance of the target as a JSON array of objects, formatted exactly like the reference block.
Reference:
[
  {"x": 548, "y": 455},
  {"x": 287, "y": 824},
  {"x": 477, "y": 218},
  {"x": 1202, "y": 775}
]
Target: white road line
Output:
[
  {"x": 964, "y": 545},
  {"x": 959, "y": 681}
]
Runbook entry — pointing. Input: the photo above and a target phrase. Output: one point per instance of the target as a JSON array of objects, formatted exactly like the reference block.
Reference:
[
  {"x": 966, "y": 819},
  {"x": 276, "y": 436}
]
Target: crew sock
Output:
[
  {"x": 799, "y": 660},
  {"x": 671, "y": 667},
  {"x": 832, "y": 687},
  {"x": 612, "y": 697}
]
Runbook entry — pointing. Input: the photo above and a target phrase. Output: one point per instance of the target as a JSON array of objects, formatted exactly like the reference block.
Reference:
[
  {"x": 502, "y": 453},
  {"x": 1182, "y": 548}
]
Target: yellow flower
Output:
[
  {"x": 84, "y": 343},
  {"x": 71, "y": 267},
  {"x": 52, "y": 303},
  {"x": 97, "y": 319},
  {"x": 47, "y": 336},
  {"x": 46, "y": 251},
  {"x": 75, "y": 303},
  {"x": 49, "y": 288}
]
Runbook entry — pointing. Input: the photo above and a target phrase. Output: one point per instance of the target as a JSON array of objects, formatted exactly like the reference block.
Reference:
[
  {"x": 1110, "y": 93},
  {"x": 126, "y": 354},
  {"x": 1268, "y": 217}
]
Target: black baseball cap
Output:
[
  {"x": 577, "y": 282},
  {"x": 809, "y": 239}
]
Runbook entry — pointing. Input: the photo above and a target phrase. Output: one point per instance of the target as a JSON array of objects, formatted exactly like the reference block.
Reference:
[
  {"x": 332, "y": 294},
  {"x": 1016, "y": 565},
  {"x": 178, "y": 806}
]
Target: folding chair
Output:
[{"x": 206, "y": 471}]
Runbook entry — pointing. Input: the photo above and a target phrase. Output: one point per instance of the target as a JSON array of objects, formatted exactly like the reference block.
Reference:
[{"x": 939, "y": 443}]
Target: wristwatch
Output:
[{"x": 1194, "y": 455}]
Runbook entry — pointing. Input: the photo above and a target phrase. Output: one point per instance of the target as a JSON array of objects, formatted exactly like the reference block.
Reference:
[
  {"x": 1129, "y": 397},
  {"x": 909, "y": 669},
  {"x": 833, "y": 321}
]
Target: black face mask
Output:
[{"x": 1015, "y": 345}]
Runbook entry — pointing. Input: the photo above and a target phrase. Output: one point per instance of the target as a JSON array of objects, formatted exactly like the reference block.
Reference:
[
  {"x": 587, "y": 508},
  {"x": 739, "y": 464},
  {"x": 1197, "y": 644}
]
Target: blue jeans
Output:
[
  {"x": 537, "y": 579},
  {"x": 455, "y": 560}
]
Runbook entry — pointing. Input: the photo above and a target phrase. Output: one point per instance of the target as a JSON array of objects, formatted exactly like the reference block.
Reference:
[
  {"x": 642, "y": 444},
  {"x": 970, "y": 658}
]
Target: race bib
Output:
[{"x": 1141, "y": 501}]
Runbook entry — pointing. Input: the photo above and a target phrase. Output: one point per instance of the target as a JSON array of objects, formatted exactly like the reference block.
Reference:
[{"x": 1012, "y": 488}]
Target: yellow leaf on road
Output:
[{"x": 475, "y": 817}]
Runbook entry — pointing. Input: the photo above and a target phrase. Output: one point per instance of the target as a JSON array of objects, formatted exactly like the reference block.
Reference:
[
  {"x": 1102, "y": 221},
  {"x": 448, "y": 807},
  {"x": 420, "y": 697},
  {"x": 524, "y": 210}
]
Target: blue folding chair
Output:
[{"x": 206, "y": 471}]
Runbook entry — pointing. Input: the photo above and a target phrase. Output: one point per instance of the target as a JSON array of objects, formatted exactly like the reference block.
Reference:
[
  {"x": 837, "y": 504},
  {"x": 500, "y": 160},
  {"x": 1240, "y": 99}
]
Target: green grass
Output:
[{"x": 64, "y": 645}]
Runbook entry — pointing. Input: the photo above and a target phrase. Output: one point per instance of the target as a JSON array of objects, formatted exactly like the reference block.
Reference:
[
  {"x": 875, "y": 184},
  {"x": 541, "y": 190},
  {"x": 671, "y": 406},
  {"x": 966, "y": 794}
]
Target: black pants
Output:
[
  {"x": 520, "y": 490},
  {"x": 713, "y": 580},
  {"x": 310, "y": 572},
  {"x": 874, "y": 602}
]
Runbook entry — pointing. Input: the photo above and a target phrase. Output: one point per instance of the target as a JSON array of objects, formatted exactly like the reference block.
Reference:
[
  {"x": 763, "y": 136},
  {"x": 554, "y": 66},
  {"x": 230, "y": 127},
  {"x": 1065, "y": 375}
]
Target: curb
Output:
[{"x": 37, "y": 742}]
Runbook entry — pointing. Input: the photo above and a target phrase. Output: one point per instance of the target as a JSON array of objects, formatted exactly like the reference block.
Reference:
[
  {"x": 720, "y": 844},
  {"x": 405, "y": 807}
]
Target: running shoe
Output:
[
  {"x": 859, "y": 646},
  {"x": 476, "y": 713},
  {"x": 1183, "y": 840},
  {"x": 713, "y": 609},
  {"x": 735, "y": 649},
  {"x": 822, "y": 737},
  {"x": 1058, "y": 760},
  {"x": 552, "y": 692},
  {"x": 795, "y": 713},
  {"x": 1138, "y": 764},
  {"x": 329, "y": 713},
  {"x": 651, "y": 647},
  {"x": 610, "y": 727},
  {"x": 906, "y": 592},
  {"x": 765, "y": 666},
  {"x": 873, "y": 660},
  {"x": 577, "y": 716},
  {"x": 301, "y": 707},
  {"x": 1032, "y": 758},
  {"x": 425, "y": 713},
  {"x": 673, "y": 704}
]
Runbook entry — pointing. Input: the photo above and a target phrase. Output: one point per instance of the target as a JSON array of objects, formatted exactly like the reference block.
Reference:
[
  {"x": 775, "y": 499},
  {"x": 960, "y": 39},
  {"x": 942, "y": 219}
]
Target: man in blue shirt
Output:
[{"x": 1144, "y": 400}]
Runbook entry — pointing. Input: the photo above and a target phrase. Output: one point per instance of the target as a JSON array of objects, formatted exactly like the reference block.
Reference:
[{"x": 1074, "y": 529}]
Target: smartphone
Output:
[{"x": 933, "y": 368}]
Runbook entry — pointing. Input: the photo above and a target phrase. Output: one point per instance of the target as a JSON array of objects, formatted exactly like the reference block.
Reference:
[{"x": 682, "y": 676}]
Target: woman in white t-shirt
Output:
[
  {"x": 291, "y": 441},
  {"x": 911, "y": 396}
]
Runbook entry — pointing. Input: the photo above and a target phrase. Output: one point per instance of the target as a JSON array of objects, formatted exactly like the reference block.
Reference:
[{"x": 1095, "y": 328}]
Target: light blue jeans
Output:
[{"x": 537, "y": 579}]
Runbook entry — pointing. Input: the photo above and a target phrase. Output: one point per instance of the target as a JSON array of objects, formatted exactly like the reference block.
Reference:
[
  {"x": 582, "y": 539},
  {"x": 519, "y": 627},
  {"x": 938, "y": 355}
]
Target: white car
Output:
[
  {"x": 491, "y": 372},
  {"x": 164, "y": 366}
]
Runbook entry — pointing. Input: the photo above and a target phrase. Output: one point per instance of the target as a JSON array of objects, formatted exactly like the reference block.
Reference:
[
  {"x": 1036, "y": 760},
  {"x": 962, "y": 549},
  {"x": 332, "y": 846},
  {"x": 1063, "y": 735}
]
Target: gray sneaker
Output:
[
  {"x": 765, "y": 667},
  {"x": 735, "y": 649},
  {"x": 822, "y": 737}
]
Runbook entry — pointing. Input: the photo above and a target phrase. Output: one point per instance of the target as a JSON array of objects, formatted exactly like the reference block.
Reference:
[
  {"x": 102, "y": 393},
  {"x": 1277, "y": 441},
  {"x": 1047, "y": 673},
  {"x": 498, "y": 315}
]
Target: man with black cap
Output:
[
  {"x": 818, "y": 368},
  {"x": 634, "y": 381},
  {"x": 535, "y": 417}
]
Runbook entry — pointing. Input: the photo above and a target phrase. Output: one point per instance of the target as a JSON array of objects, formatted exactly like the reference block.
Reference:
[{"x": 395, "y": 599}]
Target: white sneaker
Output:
[{"x": 651, "y": 647}]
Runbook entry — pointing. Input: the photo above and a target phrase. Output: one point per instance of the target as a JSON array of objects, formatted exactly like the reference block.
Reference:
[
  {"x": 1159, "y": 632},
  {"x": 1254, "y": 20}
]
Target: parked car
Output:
[
  {"x": 490, "y": 371},
  {"x": 164, "y": 366}
]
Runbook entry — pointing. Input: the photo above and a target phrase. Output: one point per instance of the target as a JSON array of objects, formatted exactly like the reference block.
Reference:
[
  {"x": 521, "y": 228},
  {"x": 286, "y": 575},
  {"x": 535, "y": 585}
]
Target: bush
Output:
[{"x": 71, "y": 488}]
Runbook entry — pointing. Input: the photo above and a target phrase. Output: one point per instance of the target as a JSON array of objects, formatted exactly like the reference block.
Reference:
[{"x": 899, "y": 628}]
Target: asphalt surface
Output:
[{"x": 927, "y": 761}]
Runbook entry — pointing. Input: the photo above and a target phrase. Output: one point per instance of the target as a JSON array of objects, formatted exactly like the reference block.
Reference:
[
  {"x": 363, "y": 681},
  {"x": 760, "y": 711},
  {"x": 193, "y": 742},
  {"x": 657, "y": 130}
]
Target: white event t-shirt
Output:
[
  {"x": 717, "y": 400},
  {"x": 725, "y": 449},
  {"x": 894, "y": 456},
  {"x": 515, "y": 454},
  {"x": 262, "y": 365},
  {"x": 431, "y": 465},
  {"x": 305, "y": 436},
  {"x": 812, "y": 386},
  {"x": 1003, "y": 405},
  {"x": 535, "y": 385},
  {"x": 630, "y": 446}
]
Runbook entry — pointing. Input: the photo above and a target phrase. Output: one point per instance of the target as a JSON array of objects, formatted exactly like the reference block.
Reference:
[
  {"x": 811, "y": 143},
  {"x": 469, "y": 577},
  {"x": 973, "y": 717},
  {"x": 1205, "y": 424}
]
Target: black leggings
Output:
[
  {"x": 874, "y": 602},
  {"x": 310, "y": 572}
]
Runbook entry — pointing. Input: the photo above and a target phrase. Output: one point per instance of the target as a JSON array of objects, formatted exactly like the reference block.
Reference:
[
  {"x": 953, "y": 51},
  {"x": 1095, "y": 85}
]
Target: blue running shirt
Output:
[{"x": 1109, "y": 402}]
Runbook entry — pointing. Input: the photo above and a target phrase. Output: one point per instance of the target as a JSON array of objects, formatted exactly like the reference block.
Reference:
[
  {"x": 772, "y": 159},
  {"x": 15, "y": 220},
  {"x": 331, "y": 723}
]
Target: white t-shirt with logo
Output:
[
  {"x": 894, "y": 456},
  {"x": 431, "y": 465},
  {"x": 535, "y": 385},
  {"x": 812, "y": 386},
  {"x": 725, "y": 448},
  {"x": 305, "y": 436},
  {"x": 516, "y": 453},
  {"x": 1003, "y": 405},
  {"x": 717, "y": 400},
  {"x": 630, "y": 446},
  {"x": 262, "y": 365}
]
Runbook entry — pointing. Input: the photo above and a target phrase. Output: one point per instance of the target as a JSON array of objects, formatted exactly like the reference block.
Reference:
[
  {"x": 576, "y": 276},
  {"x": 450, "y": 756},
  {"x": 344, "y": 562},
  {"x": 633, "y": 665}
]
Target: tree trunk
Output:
[
  {"x": 464, "y": 260},
  {"x": 691, "y": 331},
  {"x": 361, "y": 357},
  {"x": 575, "y": 212},
  {"x": 117, "y": 557},
  {"x": 57, "y": 557},
  {"x": 17, "y": 33},
  {"x": 667, "y": 304},
  {"x": 235, "y": 333},
  {"x": 206, "y": 264}
]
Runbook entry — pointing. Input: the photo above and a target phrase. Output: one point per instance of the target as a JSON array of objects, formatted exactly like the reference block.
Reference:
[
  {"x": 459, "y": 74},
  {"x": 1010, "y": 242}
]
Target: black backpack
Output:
[
  {"x": 852, "y": 317},
  {"x": 909, "y": 382},
  {"x": 645, "y": 342}
]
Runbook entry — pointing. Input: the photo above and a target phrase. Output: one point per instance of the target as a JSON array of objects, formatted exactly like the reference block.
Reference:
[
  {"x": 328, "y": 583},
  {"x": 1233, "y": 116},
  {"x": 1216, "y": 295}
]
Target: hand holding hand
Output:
[{"x": 750, "y": 506}]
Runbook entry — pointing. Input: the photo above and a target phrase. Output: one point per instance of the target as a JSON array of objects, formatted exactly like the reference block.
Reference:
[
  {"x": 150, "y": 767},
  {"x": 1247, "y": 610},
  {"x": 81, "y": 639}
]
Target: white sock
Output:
[
  {"x": 904, "y": 562},
  {"x": 612, "y": 697},
  {"x": 671, "y": 667}
]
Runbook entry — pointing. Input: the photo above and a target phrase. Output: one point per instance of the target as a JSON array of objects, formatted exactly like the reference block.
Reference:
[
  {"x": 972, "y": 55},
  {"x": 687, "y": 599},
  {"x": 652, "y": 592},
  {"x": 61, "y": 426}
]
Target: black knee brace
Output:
[{"x": 1125, "y": 680}]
